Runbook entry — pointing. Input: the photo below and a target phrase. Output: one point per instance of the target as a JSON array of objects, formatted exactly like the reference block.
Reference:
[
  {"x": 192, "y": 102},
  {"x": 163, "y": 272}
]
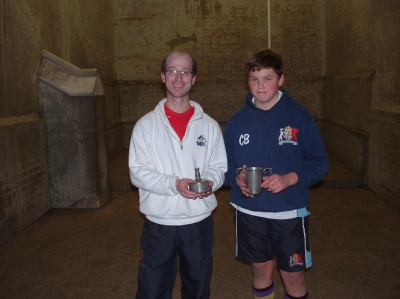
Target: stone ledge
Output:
[
  {"x": 15, "y": 120},
  {"x": 386, "y": 108}
]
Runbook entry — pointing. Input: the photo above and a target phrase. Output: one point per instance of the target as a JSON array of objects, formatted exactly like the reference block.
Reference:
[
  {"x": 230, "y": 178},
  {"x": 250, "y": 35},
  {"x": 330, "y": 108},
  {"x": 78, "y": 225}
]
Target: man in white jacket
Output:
[{"x": 167, "y": 145}]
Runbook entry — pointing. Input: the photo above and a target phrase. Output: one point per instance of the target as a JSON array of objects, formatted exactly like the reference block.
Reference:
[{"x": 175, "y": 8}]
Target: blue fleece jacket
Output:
[{"x": 284, "y": 138}]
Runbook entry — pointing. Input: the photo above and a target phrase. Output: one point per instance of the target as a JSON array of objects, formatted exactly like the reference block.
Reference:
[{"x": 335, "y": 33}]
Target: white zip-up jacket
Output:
[{"x": 157, "y": 158}]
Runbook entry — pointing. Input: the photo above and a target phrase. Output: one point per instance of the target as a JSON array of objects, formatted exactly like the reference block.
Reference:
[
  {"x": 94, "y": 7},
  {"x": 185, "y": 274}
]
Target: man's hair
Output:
[
  {"x": 265, "y": 59},
  {"x": 164, "y": 62}
]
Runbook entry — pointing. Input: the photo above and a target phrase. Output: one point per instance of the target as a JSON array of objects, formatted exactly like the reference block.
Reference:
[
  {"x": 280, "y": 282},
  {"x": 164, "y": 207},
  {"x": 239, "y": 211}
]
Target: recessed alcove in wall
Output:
[{"x": 346, "y": 110}]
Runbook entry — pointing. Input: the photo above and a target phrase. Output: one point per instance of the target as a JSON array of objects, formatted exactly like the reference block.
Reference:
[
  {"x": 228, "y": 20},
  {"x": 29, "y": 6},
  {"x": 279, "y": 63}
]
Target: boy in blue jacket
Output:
[{"x": 273, "y": 131}]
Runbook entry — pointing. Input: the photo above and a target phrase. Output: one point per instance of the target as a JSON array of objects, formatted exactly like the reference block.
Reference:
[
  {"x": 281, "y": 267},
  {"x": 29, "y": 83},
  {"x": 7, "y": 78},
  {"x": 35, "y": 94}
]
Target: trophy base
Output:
[{"x": 199, "y": 187}]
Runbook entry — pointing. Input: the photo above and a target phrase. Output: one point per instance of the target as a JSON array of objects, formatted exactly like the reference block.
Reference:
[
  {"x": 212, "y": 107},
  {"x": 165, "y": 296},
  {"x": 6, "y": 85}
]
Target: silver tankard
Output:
[{"x": 253, "y": 178}]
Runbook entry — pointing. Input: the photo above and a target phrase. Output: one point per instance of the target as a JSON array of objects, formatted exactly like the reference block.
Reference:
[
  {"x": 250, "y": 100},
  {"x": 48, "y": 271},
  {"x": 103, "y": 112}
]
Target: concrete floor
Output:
[{"x": 94, "y": 253}]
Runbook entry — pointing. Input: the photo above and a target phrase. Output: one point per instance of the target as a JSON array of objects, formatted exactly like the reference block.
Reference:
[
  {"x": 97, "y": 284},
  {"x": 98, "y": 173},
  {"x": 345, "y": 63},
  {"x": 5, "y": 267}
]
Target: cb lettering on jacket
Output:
[{"x": 244, "y": 139}]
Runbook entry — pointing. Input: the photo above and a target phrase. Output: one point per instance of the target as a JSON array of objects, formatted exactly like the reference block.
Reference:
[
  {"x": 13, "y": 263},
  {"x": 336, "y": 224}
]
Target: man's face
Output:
[
  {"x": 264, "y": 85},
  {"x": 178, "y": 86}
]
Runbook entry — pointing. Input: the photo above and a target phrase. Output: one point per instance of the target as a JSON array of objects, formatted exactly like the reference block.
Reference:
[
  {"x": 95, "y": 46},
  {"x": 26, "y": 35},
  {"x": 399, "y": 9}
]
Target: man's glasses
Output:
[{"x": 176, "y": 72}]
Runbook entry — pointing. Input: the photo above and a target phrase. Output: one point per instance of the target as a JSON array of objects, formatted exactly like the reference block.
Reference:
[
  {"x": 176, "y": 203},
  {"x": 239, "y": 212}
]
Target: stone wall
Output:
[
  {"x": 361, "y": 94},
  {"x": 115, "y": 134},
  {"x": 24, "y": 192},
  {"x": 81, "y": 32},
  {"x": 221, "y": 35}
]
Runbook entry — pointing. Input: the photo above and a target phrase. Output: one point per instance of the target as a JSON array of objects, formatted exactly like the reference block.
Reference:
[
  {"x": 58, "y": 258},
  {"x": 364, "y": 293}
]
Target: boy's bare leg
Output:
[
  {"x": 295, "y": 284},
  {"x": 262, "y": 274}
]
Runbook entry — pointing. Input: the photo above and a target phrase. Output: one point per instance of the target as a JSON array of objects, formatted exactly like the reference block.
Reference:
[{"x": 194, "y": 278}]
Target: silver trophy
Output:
[
  {"x": 253, "y": 178},
  {"x": 199, "y": 185}
]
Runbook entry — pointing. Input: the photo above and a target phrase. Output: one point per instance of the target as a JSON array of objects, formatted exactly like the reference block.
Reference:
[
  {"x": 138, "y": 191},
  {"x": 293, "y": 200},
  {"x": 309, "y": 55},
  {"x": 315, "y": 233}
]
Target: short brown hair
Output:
[{"x": 265, "y": 59}]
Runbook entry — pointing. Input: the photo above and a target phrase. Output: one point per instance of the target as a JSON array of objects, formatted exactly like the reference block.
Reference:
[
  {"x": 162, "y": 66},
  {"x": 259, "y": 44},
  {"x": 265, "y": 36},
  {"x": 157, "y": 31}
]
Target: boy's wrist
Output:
[{"x": 292, "y": 178}]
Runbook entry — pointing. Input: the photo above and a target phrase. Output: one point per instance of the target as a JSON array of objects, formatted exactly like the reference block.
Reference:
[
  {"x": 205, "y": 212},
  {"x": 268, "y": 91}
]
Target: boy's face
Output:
[{"x": 264, "y": 85}]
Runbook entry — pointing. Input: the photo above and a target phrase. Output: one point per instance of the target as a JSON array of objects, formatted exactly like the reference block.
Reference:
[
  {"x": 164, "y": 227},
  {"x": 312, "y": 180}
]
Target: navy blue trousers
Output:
[{"x": 164, "y": 247}]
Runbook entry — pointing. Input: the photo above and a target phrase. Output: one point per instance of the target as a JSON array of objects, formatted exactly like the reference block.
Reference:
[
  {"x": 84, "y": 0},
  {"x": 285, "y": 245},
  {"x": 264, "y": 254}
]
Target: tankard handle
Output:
[
  {"x": 269, "y": 169},
  {"x": 240, "y": 170}
]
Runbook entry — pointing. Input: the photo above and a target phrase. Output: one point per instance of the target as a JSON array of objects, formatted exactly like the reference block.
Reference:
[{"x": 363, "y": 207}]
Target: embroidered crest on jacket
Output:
[
  {"x": 288, "y": 135},
  {"x": 201, "y": 141}
]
